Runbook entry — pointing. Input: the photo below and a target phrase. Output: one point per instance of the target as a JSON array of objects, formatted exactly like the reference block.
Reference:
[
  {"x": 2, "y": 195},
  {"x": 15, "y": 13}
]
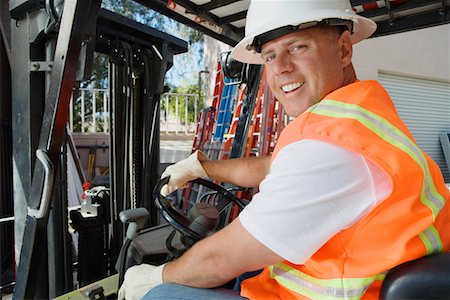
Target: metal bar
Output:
[
  {"x": 94, "y": 111},
  {"x": 49, "y": 174},
  {"x": 136, "y": 133},
  {"x": 60, "y": 271},
  {"x": 176, "y": 115},
  {"x": 28, "y": 92},
  {"x": 117, "y": 27},
  {"x": 167, "y": 113},
  {"x": 105, "y": 112},
  {"x": 82, "y": 110},
  {"x": 229, "y": 35},
  {"x": 94, "y": 89},
  {"x": 130, "y": 183},
  {"x": 71, "y": 114},
  {"x": 234, "y": 17},
  {"x": 116, "y": 142},
  {"x": 5, "y": 27},
  {"x": 2, "y": 287},
  {"x": 195, "y": 110},
  {"x": 33, "y": 258},
  {"x": 407, "y": 8},
  {"x": 6, "y": 162},
  {"x": 214, "y": 4},
  {"x": 413, "y": 22},
  {"x": 158, "y": 70},
  {"x": 248, "y": 105},
  {"x": 20, "y": 8},
  {"x": 186, "y": 100},
  {"x": 5, "y": 220}
]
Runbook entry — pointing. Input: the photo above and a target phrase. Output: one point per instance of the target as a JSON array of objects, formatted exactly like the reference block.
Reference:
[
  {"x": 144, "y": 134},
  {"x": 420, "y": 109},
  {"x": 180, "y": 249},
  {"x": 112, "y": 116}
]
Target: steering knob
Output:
[{"x": 204, "y": 218}]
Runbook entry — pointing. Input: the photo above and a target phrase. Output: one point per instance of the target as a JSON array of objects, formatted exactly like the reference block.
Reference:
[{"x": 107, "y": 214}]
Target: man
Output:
[{"x": 347, "y": 194}]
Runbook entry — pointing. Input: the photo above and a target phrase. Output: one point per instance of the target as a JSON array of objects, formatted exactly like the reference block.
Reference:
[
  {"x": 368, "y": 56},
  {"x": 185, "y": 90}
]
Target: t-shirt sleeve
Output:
[{"x": 314, "y": 190}]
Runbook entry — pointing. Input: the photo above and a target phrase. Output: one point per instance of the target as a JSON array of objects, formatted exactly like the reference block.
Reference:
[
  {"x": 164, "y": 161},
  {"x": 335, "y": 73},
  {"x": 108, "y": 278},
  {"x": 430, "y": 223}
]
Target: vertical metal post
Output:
[
  {"x": 248, "y": 105},
  {"x": 105, "y": 112},
  {"x": 186, "y": 124},
  {"x": 82, "y": 110},
  {"x": 6, "y": 169},
  {"x": 116, "y": 162},
  {"x": 5, "y": 28},
  {"x": 167, "y": 113},
  {"x": 71, "y": 114},
  {"x": 94, "y": 110},
  {"x": 60, "y": 265},
  {"x": 195, "y": 111},
  {"x": 176, "y": 114},
  {"x": 27, "y": 109}
]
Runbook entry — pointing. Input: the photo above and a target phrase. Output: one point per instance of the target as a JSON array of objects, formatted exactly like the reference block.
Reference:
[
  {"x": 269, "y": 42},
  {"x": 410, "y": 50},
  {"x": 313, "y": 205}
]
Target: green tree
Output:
[{"x": 187, "y": 65}]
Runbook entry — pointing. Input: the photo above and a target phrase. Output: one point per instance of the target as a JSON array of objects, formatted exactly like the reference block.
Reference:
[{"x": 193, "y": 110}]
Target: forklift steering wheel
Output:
[{"x": 203, "y": 218}]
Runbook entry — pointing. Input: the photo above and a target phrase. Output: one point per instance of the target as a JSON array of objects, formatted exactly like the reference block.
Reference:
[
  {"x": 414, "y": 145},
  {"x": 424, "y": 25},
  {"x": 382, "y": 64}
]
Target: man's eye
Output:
[
  {"x": 296, "y": 48},
  {"x": 268, "y": 58}
]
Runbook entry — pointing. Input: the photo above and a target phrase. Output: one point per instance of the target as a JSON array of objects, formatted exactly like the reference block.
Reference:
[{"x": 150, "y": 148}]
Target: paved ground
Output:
[{"x": 175, "y": 150}]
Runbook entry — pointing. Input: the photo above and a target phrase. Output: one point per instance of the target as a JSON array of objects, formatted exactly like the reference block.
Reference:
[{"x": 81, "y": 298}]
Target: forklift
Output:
[{"x": 47, "y": 50}]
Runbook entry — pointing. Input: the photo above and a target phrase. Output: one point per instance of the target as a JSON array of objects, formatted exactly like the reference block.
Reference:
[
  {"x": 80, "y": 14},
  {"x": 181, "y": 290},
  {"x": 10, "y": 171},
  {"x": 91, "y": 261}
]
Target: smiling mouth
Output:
[{"x": 292, "y": 87}]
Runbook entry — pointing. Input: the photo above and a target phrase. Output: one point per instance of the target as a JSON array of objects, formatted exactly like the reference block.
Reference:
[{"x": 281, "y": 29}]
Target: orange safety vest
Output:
[{"x": 410, "y": 223}]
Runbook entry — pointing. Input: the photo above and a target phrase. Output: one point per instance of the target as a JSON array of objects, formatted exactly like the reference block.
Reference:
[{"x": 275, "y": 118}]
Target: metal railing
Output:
[
  {"x": 179, "y": 113},
  {"x": 89, "y": 112}
]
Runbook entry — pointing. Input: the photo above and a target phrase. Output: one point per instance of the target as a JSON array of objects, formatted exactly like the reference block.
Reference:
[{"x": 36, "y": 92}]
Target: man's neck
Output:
[{"x": 349, "y": 75}]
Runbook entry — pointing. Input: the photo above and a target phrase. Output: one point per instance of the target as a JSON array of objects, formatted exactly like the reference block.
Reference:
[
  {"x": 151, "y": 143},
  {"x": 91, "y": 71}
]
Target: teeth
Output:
[{"x": 291, "y": 87}]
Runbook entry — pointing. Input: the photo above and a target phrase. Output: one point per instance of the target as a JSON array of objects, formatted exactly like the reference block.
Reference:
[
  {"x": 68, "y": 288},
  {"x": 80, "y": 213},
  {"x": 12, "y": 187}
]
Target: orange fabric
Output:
[{"x": 388, "y": 235}]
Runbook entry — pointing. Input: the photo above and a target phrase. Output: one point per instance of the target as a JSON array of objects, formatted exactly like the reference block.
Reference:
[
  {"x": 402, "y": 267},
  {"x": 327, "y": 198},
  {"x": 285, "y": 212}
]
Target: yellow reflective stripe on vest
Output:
[
  {"x": 388, "y": 132},
  {"x": 314, "y": 288},
  {"x": 430, "y": 237}
]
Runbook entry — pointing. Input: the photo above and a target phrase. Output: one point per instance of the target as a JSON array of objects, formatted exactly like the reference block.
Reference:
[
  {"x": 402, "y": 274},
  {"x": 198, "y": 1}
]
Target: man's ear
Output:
[{"x": 346, "y": 48}]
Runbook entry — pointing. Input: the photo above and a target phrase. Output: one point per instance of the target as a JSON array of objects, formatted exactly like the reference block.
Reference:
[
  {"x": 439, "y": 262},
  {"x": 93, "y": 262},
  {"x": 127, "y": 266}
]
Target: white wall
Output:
[
  {"x": 212, "y": 50},
  {"x": 424, "y": 53}
]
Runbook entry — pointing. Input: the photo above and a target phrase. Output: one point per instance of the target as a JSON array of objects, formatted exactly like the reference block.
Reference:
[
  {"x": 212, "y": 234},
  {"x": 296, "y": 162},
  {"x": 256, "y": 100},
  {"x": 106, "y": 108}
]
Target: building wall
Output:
[
  {"x": 414, "y": 68},
  {"x": 213, "y": 48},
  {"x": 423, "y": 53}
]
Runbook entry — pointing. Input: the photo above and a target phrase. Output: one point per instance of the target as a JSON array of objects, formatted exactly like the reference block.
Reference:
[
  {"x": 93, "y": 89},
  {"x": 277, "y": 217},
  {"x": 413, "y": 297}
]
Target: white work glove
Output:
[
  {"x": 183, "y": 171},
  {"x": 139, "y": 280}
]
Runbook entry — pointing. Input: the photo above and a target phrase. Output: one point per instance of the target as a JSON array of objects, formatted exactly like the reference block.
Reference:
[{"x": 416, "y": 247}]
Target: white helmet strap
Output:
[{"x": 261, "y": 39}]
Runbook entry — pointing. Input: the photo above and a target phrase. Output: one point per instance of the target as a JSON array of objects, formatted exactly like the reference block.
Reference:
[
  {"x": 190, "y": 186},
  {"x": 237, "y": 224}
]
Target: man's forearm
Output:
[
  {"x": 200, "y": 267},
  {"x": 220, "y": 258},
  {"x": 245, "y": 172}
]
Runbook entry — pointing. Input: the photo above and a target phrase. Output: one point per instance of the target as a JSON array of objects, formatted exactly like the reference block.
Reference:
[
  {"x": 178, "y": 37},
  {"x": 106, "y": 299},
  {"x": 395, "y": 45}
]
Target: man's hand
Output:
[
  {"x": 139, "y": 280},
  {"x": 183, "y": 171}
]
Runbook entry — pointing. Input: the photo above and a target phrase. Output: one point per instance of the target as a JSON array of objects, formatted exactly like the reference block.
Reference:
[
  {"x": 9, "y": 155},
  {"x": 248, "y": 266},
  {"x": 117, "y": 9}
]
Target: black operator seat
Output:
[{"x": 424, "y": 278}]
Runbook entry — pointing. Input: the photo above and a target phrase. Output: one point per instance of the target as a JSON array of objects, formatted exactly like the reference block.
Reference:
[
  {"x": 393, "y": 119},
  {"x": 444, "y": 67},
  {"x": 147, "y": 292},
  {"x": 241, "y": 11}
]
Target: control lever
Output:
[{"x": 135, "y": 218}]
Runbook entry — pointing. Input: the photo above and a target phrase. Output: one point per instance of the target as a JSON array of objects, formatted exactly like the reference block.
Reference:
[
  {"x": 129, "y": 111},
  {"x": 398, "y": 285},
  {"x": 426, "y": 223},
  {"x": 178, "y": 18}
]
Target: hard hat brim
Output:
[{"x": 362, "y": 29}]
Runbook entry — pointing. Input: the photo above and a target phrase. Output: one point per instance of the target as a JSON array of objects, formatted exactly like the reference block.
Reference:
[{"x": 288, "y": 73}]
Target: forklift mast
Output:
[{"x": 52, "y": 46}]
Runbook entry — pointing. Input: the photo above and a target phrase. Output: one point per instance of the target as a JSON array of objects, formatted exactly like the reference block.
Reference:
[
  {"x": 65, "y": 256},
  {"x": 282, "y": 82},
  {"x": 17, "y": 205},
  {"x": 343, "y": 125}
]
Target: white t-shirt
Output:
[{"x": 314, "y": 190}]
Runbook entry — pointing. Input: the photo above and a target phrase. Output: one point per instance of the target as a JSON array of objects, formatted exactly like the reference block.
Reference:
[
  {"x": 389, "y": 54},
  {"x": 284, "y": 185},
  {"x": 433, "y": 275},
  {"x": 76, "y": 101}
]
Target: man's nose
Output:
[{"x": 283, "y": 64}]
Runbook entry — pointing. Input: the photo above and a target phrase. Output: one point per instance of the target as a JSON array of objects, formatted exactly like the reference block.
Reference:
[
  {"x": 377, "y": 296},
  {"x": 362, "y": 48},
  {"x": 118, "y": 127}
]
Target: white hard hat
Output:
[{"x": 265, "y": 16}]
